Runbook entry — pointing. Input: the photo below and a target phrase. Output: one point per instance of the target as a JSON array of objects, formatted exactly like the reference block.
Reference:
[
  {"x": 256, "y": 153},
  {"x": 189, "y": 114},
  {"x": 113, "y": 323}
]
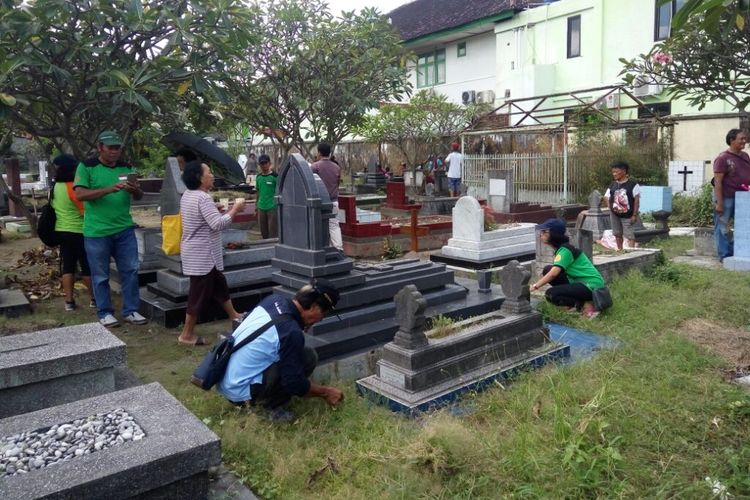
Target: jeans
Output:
[
  {"x": 722, "y": 232},
  {"x": 124, "y": 248}
]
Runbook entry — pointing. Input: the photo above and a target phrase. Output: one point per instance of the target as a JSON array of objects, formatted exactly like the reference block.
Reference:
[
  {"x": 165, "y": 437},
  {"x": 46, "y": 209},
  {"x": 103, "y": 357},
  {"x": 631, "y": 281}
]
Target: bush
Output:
[{"x": 690, "y": 210}]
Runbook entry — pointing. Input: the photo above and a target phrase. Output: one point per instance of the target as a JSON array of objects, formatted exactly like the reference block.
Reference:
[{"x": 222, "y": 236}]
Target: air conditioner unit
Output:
[
  {"x": 486, "y": 97},
  {"x": 468, "y": 96}
]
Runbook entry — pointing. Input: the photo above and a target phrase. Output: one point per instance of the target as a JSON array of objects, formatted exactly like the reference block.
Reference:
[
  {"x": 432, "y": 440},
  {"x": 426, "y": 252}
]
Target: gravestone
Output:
[
  {"x": 170, "y": 458},
  {"x": 51, "y": 367},
  {"x": 686, "y": 176},
  {"x": 419, "y": 371},
  {"x": 500, "y": 189},
  {"x": 514, "y": 280},
  {"x": 655, "y": 198},
  {"x": 172, "y": 188},
  {"x": 740, "y": 261},
  {"x": 366, "y": 305},
  {"x": 470, "y": 242},
  {"x": 595, "y": 219}
]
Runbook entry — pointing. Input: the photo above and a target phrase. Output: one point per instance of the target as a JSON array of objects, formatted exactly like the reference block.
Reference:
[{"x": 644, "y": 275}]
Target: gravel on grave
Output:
[{"x": 27, "y": 451}]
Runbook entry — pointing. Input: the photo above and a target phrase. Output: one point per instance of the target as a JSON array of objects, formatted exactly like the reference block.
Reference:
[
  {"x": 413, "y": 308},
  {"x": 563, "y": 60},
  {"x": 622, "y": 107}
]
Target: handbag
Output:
[
  {"x": 45, "y": 227},
  {"x": 214, "y": 364},
  {"x": 171, "y": 232},
  {"x": 602, "y": 298}
]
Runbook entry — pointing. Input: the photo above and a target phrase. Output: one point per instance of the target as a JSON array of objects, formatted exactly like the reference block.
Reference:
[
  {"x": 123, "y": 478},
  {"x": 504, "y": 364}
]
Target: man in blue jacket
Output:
[{"x": 277, "y": 365}]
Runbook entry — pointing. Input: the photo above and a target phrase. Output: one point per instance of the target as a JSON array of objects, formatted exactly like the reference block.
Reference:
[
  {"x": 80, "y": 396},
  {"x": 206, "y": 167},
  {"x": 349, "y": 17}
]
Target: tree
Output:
[
  {"x": 313, "y": 76},
  {"x": 70, "y": 69},
  {"x": 419, "y": 127},
  {"x": 704, "y": 60}
]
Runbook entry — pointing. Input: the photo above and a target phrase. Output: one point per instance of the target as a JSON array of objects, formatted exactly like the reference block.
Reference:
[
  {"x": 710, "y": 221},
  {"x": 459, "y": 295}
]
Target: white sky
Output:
[{"x": 384, "y": 6}]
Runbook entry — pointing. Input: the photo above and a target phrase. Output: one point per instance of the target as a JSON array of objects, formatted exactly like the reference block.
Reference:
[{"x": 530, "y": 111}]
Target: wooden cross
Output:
[
  {"x": 414, "y": 230},
  {"x": 684, "y": 172}
]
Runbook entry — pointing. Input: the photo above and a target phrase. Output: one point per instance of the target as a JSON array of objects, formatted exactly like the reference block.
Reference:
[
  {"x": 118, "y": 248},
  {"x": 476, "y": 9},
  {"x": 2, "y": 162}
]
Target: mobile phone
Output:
[{"x": 132, "y": 178}]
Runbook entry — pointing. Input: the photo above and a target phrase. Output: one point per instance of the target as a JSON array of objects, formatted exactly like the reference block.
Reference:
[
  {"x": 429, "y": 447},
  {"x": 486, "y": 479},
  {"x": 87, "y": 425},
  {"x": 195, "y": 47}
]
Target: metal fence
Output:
[{"x": 539, "y": 178}]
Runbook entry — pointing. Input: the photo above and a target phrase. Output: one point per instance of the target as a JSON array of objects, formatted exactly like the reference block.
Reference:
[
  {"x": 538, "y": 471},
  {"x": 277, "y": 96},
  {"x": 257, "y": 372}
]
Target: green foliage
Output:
[
  {"x": 69, "y": 70},
  {"x": 147, "y": 152},
  {"x": 664, "y": 272},
  {"x": 390, "y": 249},
  {"x": 313, "y": 76},
  {"x": 694, "y": 210},
  {"x": 596, "y": 146},
  {"x": 420, "y": 127},
  {"x": 442, "y": 326},
  {"x": 704, "y": 60}
]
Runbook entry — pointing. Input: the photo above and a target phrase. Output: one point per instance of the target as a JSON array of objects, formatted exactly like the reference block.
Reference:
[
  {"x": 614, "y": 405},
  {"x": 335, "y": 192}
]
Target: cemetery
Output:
[{"x": 443, "y": 367}]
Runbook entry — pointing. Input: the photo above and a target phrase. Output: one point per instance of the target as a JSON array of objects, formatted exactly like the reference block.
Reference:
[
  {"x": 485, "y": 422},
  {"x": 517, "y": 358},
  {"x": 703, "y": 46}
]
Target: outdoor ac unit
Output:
[
  {"x": 643, "y": 87},
  {"x": 468, "y": 96},
  {"x": 486, "y": 96}
]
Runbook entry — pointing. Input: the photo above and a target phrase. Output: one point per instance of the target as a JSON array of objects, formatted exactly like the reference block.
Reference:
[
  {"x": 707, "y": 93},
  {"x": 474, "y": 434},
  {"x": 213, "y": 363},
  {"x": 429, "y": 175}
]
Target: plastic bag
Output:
[
  {"x": 171, "y": 234},
  {"x": 608, "y": 240}
]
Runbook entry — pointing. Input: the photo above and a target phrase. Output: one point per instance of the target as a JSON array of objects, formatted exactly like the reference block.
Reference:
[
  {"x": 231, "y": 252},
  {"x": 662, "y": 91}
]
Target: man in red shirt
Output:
[
  {"x": 731, "y": 171},
  {"x": 330, "y": 173}
]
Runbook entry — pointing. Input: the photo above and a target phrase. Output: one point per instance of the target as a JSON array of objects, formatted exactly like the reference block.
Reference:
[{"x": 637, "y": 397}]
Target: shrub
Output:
[
  {"x": 442, "y": 326},
  {"x": 390, "y": 249},
  {"x": 693, "y": 210}
]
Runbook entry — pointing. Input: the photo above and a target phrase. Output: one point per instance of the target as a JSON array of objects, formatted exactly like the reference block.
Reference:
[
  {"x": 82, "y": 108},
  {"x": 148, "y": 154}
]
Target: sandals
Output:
[{"x": 199, "y": 341}]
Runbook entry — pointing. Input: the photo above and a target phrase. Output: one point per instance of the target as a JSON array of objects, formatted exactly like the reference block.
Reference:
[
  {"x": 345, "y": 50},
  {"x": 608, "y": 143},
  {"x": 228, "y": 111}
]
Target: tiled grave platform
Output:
[
  {"x": 51, "y": 367},
  {"x": 170, "y": 462}
]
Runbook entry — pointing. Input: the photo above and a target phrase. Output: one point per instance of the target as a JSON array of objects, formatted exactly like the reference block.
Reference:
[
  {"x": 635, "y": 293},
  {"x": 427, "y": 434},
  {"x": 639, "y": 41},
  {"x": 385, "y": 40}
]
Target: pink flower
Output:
[{"x": 662, "y": 58}]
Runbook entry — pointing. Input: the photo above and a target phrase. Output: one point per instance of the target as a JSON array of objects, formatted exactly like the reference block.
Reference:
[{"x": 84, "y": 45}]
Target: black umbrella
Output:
[{"x": 224, "y": 165}]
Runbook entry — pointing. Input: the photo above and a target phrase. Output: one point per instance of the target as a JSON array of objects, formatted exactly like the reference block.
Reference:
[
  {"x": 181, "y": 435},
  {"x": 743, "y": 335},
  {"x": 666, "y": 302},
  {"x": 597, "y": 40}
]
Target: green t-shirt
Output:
[
  {"x": 578, "y": 269},
  {"x": 266, "y": 186},
  {"x": 109, "y": 214},
  {"x": 68, "y": 218}
]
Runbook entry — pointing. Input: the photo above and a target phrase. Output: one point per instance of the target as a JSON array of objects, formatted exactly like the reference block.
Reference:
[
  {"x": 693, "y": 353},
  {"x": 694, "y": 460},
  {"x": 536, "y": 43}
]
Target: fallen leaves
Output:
[
  {"x": 42, "y": 274},
  {"x": 331, "y": 465}
]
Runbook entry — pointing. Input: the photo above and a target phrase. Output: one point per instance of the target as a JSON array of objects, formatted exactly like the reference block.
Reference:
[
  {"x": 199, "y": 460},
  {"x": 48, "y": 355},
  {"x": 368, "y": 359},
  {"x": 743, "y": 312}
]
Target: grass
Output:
[{"x": 651, "y": 419}]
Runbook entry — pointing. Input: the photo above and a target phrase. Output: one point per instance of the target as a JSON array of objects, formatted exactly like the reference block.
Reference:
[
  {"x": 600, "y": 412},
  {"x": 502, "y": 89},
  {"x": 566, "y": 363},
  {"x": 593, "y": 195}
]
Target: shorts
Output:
[
  {"x": 73, "y": 253},
  {"x": 454, "y": 184},
  {"x": 211, "y": 286},
  {"x": 622, "y": 226}
]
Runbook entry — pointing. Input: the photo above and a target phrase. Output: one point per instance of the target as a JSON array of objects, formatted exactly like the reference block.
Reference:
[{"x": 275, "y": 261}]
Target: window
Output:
[
  {"x": 656, "y": 109},
  {"x": 431, "y": 69},
  {"x": 574, "y": 36},
  {"x": 461, "y": 49},
  {"x": 663, "y": 18}
]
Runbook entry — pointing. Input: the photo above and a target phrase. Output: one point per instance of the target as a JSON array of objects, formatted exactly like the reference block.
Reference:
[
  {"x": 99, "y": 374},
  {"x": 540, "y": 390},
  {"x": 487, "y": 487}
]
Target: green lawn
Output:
[{"x": 651, "y": 419}]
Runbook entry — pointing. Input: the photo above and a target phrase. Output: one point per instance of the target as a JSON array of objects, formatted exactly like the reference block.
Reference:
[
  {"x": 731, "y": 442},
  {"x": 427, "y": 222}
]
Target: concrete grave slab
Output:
[
  {"x": 13, "y": 303},
  {"x": 171, "y": 461},
  {"x": 51, "y": 367}
]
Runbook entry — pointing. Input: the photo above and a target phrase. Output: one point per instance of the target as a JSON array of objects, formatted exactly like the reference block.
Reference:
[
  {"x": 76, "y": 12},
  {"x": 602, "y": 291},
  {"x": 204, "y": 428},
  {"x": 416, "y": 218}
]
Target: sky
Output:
[{"x": 384, "y": 6}]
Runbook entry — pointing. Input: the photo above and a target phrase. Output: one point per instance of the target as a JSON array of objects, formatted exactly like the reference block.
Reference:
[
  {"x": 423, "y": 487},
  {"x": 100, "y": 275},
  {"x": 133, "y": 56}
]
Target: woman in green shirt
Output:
[
  {"x": 69, "y": 227},
  {"x": 572, "y": 276}
]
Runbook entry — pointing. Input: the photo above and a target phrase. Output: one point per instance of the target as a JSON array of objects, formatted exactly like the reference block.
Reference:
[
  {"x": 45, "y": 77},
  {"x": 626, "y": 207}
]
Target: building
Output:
[{"x": 497, "y": 51}]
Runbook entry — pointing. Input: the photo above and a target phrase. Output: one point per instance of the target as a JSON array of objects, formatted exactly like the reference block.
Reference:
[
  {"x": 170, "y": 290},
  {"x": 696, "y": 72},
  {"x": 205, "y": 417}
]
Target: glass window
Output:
[
  {"x": 663, "y": 18},
  {"x": 431, "y": 69},
  {"x": 461, "y": 49},
  {"x": 574, "y": 36}
]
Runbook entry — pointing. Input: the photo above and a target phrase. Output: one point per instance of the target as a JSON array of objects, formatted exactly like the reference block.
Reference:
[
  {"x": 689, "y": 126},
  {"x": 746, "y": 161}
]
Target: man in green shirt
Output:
[
  {"x": 105, "y": 185},
  {"x": 265, "y": 183}
]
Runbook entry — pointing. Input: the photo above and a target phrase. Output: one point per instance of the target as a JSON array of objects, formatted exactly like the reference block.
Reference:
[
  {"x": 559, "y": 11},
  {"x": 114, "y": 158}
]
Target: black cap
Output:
[
  {"x": 327, "y": 291},
  {"x": 553, "y": 226},
  {"x": 264, "y": 159}
]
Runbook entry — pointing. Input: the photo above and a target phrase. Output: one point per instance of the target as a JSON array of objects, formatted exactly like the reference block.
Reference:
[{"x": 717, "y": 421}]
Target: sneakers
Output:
[
  {"x": 70, "y": 306},
  {"x": 135, "y": 319},
  {"x": 109, "y": 321},
  {"x": 92, "y": 304}
]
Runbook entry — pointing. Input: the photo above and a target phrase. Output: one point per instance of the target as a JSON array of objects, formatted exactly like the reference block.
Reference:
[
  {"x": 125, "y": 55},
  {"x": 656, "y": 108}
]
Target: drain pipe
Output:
[{"x": 565, "y": 163}]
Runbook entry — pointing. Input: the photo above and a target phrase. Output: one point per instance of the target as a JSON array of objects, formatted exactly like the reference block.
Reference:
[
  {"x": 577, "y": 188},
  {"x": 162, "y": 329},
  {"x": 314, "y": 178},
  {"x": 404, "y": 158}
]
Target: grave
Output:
[
  {"x": 247, "y": 270},
  {"x": 686, "y": 176},
  {"x": 365, "y": 306},
  {"x": 375, "y": 176},
  {"x": 474, "y": 248},
  {"x": 740, "y": 261},
  {"x": 655, "y": 198},
  {"x": 704, "y": 243},
  {"x": 364, "y": 238},
  {"x": 595, "y": 219},
  {"x": 13, "y": 303},
  {"x": 397, "y": 205},
  {"x": 51, "y": 367},
  {"x": 537, "y": 212},
  {"x": 148, "y": 241},
  {"x": 170, "y": 458},
  {"x": 172, "y": 188},
  {"x": 418, "y": 373}
]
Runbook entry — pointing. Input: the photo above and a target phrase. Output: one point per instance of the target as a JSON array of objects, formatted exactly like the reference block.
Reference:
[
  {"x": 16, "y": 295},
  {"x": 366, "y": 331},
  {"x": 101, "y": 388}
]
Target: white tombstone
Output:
[
  {"x": 43, "y": 175},
  {"x": 472, "y": 243},
  {"x": 686, "y": 176}
]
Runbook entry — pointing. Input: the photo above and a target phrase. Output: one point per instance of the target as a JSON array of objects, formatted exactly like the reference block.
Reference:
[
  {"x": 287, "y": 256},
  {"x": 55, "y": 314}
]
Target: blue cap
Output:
[{"x": 553, "y": 225}]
